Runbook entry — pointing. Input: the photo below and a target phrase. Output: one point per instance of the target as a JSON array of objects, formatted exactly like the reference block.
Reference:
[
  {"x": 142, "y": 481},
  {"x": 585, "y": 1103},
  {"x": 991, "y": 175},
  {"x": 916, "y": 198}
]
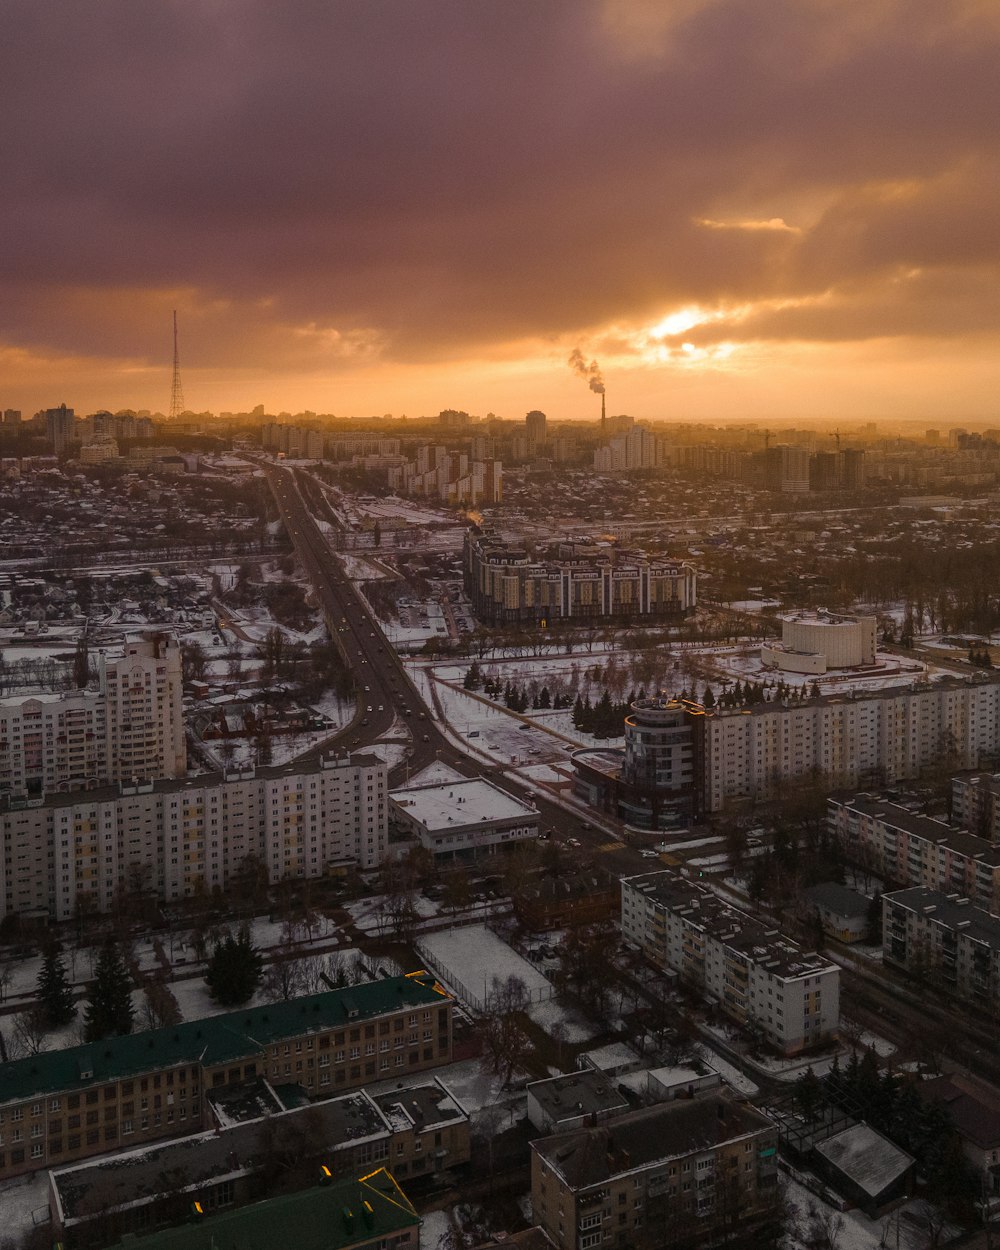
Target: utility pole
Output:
[{"x": 176, "y": 390}]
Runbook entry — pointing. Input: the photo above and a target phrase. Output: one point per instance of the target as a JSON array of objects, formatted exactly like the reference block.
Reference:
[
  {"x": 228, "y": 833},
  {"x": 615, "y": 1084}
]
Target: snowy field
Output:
[{"x": 468, "y": 959}]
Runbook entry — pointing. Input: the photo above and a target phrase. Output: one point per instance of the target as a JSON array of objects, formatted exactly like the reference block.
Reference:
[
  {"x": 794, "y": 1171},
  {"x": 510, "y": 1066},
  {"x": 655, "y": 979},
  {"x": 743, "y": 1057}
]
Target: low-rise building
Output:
[
  {"x": 587, "y": 896},
  {"x": 705, "y": 1167},
  {"x": 572, "y": 1100},
  {"x": 64, "y": 1105},
  {"x": 866, "y": 1168},
  {"x": 842, "y": 912},
  {"x": 974, "y": 1109},
  {"x": 463, "y": 819},
  {"x": 370, "y": 1213},
  {"x": 975, "y": 804},
  {"x": 757, "y": 976},
  {"x": 416, "y": 1130}
]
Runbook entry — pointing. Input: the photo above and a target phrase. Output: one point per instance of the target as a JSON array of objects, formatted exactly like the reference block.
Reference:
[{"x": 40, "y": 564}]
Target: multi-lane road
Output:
[{"x": 384, "y": 687}]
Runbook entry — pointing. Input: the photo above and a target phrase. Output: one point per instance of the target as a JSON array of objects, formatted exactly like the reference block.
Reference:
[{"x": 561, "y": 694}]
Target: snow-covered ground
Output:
[{"x": 469, "y": 958}]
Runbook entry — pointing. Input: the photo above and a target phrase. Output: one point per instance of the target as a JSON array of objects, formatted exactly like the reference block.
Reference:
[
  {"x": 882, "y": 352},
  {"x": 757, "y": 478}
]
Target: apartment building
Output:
[
  {"x": 975, "y": 804},
  {"x": 700, "y": 1168},
  {"x": 132, "y": 725},
  {"x": 72, "y": 851},
  {"x": 849, "y": 739},
  {"x": 945, "y": 937},
  {"x": 757, "y": 976},
  {"x": 416, "y": 1129},
  {"x": 907, "y": 849},
  {"x": 65, "y": 1105},
  {"x": 577, "y": 581},
  {"x": 452, "y": 477}
]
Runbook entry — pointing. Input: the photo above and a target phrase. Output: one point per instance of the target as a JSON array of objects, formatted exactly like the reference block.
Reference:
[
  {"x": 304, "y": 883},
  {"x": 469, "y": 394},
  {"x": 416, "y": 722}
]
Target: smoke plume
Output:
[{"x": 590, "y": 373}]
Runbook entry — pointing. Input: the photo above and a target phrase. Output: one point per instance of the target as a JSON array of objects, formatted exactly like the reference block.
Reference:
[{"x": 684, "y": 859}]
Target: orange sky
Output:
[{"x": 740, "y": 210}]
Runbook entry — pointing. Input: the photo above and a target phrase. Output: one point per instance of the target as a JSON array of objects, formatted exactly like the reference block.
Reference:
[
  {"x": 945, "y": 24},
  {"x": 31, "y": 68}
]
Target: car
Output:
[
  {"x": 649, "y": 854},
  {"x": 426, "y": 738},
  {"x": 364, "y": 720},
  {"x": 367, "y": 688},
  {"x": 381, "y": 708},
  {"x": 369, "y": 707},
  {"x": 573, "y": 842}
]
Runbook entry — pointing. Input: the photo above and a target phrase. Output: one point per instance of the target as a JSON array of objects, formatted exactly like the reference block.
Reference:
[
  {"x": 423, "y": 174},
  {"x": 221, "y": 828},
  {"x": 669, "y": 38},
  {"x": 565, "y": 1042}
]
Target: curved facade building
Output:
[{"x": 655, "y": 783}]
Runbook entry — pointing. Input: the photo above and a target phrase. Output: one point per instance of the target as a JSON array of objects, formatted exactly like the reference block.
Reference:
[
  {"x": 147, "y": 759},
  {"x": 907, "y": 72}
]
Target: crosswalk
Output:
[{"x": 611, "y": 846}]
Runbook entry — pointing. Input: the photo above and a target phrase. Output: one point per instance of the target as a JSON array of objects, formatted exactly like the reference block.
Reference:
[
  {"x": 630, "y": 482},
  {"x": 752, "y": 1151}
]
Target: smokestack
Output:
[{"x": 604, "y": 420}]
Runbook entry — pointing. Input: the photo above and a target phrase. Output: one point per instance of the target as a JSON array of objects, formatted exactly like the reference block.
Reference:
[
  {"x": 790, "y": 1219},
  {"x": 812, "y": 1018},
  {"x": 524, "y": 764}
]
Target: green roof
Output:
[
  {"x": 228, "y": 1038},
  {"x": 332, "y": 1217}
]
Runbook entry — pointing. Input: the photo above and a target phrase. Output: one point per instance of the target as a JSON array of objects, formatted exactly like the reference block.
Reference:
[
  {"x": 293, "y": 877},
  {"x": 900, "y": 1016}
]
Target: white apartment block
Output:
[
  {"x": 178, "y": 838},
  {"x": 945, "y": 937},
  {"x": 852, "y": 740},
  {"x": 907, "y": 849},
  {"x": 755, "y": 975},
  {"x": 132, "y": 725}
]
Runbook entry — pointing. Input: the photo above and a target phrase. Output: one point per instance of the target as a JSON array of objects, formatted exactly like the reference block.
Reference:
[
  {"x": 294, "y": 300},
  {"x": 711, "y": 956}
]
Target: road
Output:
[{"x": 383, "y": 683}]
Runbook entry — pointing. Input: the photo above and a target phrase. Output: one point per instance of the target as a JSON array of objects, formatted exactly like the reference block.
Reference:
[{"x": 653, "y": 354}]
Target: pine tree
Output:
[
  {"x": 472, "y": 677},
  {"x": 708, "y": 698},
  {"x": 109, "y": 1012},
  {"x": 544, "y": 698},
  {"x": 55, "y": 995},
  {"x": 234, "y": 971}
]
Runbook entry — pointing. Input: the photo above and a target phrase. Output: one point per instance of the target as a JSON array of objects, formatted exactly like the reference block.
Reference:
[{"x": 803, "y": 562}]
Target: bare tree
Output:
[
  {"x": 506, "y": 1045},
  {"x": 29, "y": 1033}
]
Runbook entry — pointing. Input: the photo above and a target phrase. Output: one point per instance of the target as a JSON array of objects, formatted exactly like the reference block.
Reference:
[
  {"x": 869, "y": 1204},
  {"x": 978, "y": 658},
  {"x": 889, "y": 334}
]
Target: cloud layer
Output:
[{"x": 325, "y": 189}]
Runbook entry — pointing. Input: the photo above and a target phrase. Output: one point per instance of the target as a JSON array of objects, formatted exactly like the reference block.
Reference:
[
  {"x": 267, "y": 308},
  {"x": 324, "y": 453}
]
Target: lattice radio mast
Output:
[{"x": 176, "y": 390}]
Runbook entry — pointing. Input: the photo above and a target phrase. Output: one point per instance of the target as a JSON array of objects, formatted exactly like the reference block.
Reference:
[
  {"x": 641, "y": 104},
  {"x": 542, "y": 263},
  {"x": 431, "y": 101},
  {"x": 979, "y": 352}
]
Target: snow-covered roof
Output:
[
  {"x": 457, "y": 803},
  {"x": 866, "y": 1158}
]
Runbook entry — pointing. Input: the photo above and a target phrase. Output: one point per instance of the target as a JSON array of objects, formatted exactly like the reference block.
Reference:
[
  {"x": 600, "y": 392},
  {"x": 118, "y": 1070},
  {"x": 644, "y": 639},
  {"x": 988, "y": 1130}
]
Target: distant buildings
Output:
[
  {"x": 573, "y": 581},
  {"x": 755, "y": 975},
  {"x": 60, "y": 428},
  {"x": 69, "y": 853},
  {"x": 534, "y": 428},
  {"x": 132, "y": 725},
  {"x": 449, "y": 476}
]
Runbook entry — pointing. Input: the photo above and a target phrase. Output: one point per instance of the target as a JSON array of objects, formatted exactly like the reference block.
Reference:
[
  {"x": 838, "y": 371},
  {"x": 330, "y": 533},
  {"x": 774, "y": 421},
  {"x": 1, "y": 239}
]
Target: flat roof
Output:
[
  {"x": 575, "y": 1094},
  {"x": 453, "y": 804},
  {"x": 895, "y": 816},
  {"x": 952, "y": 912},
  {"x": 589, "y": 1156},
  {"x": 326, "y": 1218},
  {"x": 738, "y": 930}
]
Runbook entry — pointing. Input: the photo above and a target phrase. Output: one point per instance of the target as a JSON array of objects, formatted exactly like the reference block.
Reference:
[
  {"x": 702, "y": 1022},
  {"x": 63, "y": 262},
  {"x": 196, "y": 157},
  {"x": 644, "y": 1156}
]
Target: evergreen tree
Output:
[
  {"x": 544, "y": 698},
  {"x": 55, "y": 995},
  {"x": 109, "y": 1012},
  {"x": 473, "y": 679},
  {"x": 234, "y": 971},
  {"x": 708, "y": 698}
]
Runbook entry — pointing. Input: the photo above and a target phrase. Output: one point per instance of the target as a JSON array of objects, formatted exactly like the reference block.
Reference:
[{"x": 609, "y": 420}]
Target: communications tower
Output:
[{"x": 176, "y": 390}]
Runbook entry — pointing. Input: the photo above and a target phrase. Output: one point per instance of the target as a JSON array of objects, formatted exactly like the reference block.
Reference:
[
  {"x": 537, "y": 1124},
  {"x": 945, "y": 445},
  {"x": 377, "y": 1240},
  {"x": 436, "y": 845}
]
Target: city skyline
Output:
[{"x": 738, "y": 213}]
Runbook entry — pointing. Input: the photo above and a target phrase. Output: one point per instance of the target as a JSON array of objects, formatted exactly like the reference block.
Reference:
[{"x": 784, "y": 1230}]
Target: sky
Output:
[{"x": 735, "y": 209}]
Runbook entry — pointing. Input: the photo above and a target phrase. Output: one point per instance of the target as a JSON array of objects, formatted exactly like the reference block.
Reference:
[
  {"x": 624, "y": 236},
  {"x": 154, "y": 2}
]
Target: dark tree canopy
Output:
[
  {"x": 109, "y": 1013},
  {"x": 234, "y": 970}
]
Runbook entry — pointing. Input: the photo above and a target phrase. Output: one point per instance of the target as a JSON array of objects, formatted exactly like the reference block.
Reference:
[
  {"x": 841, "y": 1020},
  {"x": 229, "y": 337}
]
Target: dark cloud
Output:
[{"x": 319, "y": 181}]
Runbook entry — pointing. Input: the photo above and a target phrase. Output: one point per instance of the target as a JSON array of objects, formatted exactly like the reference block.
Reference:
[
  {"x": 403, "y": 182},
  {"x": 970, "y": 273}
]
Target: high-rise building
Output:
[
  {"x": 185, "y": 836},
  {"x": 131, "y": 725},
  {"x": 60, "y": 427},
  {"x": 534, "y": 428}
]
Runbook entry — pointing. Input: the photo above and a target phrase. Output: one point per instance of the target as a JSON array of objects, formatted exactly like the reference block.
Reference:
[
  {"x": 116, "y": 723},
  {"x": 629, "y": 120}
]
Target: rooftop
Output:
[
  {"x": 332, "y": 1217},
  {"x": 741, "y": 933},
  {"x": 577, "y": 1093},
  {"x": 839, "y": 899},
  {"x": 457, "y": 803},
  {"x": 213, "y": 1040},
  {"x": 589, "y": 1156},
  {"x": 951, "y": 911},
  {"x": 865, "y": 1157}
]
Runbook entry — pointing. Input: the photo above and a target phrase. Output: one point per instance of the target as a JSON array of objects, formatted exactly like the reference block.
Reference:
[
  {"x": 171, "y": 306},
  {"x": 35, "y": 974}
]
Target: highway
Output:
[{"x": 385, "y": 687}]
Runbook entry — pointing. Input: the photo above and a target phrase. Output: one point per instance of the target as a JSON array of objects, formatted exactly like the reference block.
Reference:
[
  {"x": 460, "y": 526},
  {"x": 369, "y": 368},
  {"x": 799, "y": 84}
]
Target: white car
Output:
[{"x": 649, "y": 854}]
